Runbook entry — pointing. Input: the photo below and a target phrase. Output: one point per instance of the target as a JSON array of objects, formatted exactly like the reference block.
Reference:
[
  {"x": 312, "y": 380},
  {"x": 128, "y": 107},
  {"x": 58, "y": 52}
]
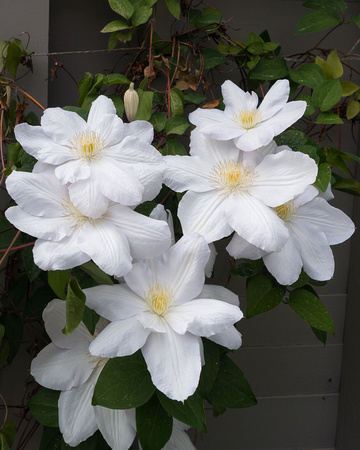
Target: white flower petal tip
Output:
[
  {"x": 250, "y": 126},
  {"x": 161, "y": 309},
  {"x": 102, "y": 150}
]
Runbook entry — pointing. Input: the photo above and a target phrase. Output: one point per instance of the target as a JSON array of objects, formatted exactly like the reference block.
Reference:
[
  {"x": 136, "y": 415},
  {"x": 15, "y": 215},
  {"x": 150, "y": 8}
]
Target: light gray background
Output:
[{"x": 308, "y": 395}]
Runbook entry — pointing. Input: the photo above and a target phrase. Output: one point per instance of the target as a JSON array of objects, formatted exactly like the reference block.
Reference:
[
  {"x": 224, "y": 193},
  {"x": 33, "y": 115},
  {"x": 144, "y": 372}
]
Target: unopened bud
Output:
[{"x": 131, "y": 102}]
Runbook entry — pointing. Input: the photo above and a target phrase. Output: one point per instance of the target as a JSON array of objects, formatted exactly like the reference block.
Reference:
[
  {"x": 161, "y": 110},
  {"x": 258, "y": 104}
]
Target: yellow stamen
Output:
[
  {"x": 232, "y": 176},
  {"x": 73, "y": 213},
  {"x": 286, "y": 211},
  {"x": 97, "y": 361},
  {"x": 159, "y": 298},
  {"x": 87, "y": 145},
  {"x": 248, "y": 119}
]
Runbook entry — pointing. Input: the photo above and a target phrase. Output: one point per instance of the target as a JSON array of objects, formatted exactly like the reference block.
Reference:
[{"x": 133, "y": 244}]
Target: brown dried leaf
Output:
[{"x": 211, "y": 105}]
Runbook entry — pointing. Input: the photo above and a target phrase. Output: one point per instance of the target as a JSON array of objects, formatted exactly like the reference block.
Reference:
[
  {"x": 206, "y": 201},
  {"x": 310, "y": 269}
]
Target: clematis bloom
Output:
[
  {"x": 163, "y": 308},
  {"x": 243, "y": 121},
  {"x": 109, "y": 234},
  {"x": 97, "y": 155},
  {"x": 229, "y": 190},
  {"x": 313, "y": 226}
]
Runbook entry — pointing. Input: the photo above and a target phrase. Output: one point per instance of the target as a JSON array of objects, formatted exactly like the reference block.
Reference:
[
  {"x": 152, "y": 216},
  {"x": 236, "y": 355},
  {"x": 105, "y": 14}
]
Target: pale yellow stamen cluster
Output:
[
  {"x": 248, "y": 118},
  {"x": 232, "y": 176},
  {"x": 159, "y": 298},
  {"x": 73, "y": 213},
  {"x": 286, "y": 211},
  {"x": 97, "y": 361},
  {"x": 87, "y": 145}
]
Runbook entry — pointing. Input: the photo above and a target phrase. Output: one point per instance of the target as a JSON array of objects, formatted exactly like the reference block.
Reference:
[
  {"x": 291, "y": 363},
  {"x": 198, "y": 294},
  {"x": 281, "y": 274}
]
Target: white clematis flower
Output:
[
  {"x": 67, "y": 365},
  {"x": 163, "y": 309},
  {"x": 98, "y": 155},
  {"x": 243, "y": 121},
  {"x": 109, "y": 234},
  {"x": 313, "y": 226},
  {"x": 228, "y": 190}
]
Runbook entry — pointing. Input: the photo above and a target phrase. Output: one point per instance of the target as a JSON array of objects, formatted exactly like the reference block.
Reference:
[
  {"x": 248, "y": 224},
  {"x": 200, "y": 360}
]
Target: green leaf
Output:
[
  {"x": 320, "y": 334},
  {"x": 174, "y": 8},
  {"x": 115, "y": 25},
  {"x": 356, "y": 20},
  {"x": 90, "y": 319},
  {"x": 96, "y": 273},
  {"x": 335, "y": 65},
  {"x": 327, "y": 94},
  {"x": 13, "y": 332},
  {"x": 332, "y": 5},
  {"x": 302, "y": 280},
  {"x": 176, "y": 102},
  {"x": 328, "y": 118},
  {"x": 44, "y": 407},
  {"x": 292, "y": 138},
  {"x": 324, "y": 66},
  {"x": 309, "y": 308},
  {"x": 247, "y": 269},
  {"x": 256, "y": 45},
  {"x": 14, "y": 296},
  {"x": 173, "y": 147},
  {"x": 348, "y": 88},
  {"x": 316, "y": 21},
  {"x": 32, "y": 270},
  {"x": 158, "y": 120},
  {"x": 337, "y": 158},
  {"x": 323, "y": 177},
  {"x": 116, "y": 78},
  {"x": 9, "y": 431},
  {"x": 122, "y": 7},
  {"x": 13, "y": 57},
  {"x": 153, "y": 425},
  {"x": 84, "y": 86},
  {"x": 212, "y": 58},
  {"x": 210, "y": 370},
  {"x": 38, "y": 301},
  {"x": 124, "y": 383},
  {"x": 141, "y": 15},
  {"x": 191, "y": 411},
  {"x": 58, "y": 280},
  {"x": 261, "y": 296},
  {"x": 309, "y": 75},
  {"x": 346, "y": 184},
  {"x": 81, "y": 112},
  {"x": 75, "y": 306},
  {"x": 51, "y": 439},
  {"x": 14, "y": 152},
  {"x": 146, "y": 208},
  {"x": 194, "y": 98},
  {"x": 3, "y": 442},
  {"x": 310, "y": 150},
  {"x": 145, "y": 105},
  {"x": 176, "y": 125},
  {"x": 352, "y": 109},
  {"x": 231, "y": 389},
  {"x": 119, "y": 104},
  {"x": 269, "y": 69}
]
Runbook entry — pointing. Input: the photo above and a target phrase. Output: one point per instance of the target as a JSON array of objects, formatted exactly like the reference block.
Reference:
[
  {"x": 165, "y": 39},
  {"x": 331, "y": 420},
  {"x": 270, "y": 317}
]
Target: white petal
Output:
[
  {"x": 107, "y": 246},
  {"x": 116, "y": 302},
  {"x": 151, "y": 181},
  {"x": 61, "y": 125},
  {"x": 285, "y": 265},
  {"x": 72, "y": 171},
  {"x": 203, "y": 317},
  {"x": 61, "y": 369},
  {"x": 174, "y": 363},
  {"x": 219, "y": 293},
  {"x": 240, "y": 248},
  {"x": 236, "y": 99},
  {"x": 275, "y": 99},
  {"x": 282, "y": 176},
  {"x": 53, "y": 228},
  {"x": 254, "y": 138},
  {"x": 255, "y": 222},
  {"x": 54, "y": 316},
  {"x": 147, "y": 237},
  {"x": 117, "y": 426},
  {"x": 39, "y": 194},
  {"x": 121, "y": 338},
  {"x": 179, "y": 439},
  {"x": 76, "y": 413},
  {"x": 38, "y": 144},
  {"x": 289, "y": 114},
  {"x": 187, "y": 172},
  {"x": 141, "y": 129},
  {"x": 61, "y": 255},
  {"x": 336, "y": 225},
  {"x": 204, "y": 213},
  {"x": 85, "y": 196},
  {"x": 216, "y": 124},
  {"x": 316, "y": 253},
  {"x": 210, "y": 150},
  {"x": 211, "y": 262},
  {"x": 133, "y": 151},
  {"x": 229, "y": 338}
]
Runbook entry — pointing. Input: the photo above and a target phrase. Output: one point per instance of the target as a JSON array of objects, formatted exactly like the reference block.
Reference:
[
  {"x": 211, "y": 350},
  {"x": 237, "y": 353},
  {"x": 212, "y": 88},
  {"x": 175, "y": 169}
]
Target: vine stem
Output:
[
  {"x": 19, "y": 247},
  {"x": 10, "y": 247}
]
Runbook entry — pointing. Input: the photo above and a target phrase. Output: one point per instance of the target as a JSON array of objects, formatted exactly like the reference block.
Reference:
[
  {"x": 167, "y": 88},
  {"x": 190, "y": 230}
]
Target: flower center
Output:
[
  {"x": 232, "y": 176},
  {"x": 87, "y": 145},
  {"x": 96, "y": 361},
  {"x": 159, "y": 298},
  {"x": 286, "y": 211},
  {"x": 72, "y": 212},
  {"x": 248, "y": 119}
]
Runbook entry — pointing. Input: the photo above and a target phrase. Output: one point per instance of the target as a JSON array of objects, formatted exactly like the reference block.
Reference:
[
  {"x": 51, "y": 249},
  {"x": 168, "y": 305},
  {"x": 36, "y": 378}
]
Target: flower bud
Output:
[{"x": 131, "y": 102}]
